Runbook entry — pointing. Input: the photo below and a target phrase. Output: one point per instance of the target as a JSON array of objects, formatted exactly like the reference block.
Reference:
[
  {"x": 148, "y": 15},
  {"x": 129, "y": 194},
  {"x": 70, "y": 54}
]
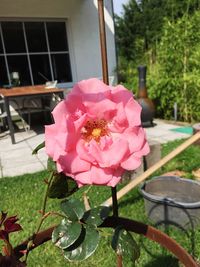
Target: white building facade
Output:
[{"x": 53, "y": 40}]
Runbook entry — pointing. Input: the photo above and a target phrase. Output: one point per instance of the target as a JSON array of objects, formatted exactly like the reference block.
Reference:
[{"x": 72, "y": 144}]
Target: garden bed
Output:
[{"x": 28, "y": 189}]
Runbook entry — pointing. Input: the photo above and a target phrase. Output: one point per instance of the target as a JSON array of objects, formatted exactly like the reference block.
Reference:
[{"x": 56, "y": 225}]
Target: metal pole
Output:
[{"x": 102, "y": 33}]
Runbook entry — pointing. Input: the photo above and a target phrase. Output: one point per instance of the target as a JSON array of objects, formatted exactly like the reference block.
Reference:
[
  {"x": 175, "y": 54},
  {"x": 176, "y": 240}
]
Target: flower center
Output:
[
  {"x": 96, "y": 132},
  {"x": 94, "y": 129}
]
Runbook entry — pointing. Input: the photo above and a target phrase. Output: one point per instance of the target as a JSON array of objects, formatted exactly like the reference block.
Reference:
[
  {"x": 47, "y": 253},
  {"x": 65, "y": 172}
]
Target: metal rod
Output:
[
  {"x": 114, "y": 201},
  {"x": 102, "y": 33}
]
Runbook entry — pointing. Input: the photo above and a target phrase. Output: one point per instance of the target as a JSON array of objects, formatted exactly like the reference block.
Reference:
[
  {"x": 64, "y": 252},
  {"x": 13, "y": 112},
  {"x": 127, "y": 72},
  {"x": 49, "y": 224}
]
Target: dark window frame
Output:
[{"x": 48, "y": 53}]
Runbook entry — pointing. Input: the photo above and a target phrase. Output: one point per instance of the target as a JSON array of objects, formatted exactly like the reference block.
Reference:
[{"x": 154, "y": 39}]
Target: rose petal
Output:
[
  {"x": 131, "y": 163},
  {"x": 102, "y": 109},
  {"x": 98, "y": 176},
  {"x": 133, "y": 112},
  {"x": 135, "y": 137},
  {"x": 90, "y": 86},
  {"x": 117, "y": 175},
  {"x": 50, "y": 141},
  {"x": 59, "y": 112},
  {"x": 119, "y": 121},
  {"x": 144, "y": 150},
  {"x": 74, "y": 104},
  {"x": 71, "y": 163},
  {"x": 121, "y": 147},
  {"x": 83, "y": 178},
  {"x": 83, "y": 151},
  {"x": 121, "y": 95},
  {"x": 112, "y": 156}
]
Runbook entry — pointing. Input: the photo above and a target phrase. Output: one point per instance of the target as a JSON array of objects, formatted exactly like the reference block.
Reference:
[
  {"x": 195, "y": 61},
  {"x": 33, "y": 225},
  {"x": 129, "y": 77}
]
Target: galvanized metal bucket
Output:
[{"x": 172, "y": 200}]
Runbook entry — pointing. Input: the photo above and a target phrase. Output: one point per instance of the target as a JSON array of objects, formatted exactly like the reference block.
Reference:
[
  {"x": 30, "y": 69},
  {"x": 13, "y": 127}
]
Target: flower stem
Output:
[
  {"x": 119, "y": 261},
  {"x": 43, "y": 217},
  {"x": 46, "y": 193},
  {"x": 115, "y": 213},
  {"x": 43, "y": 210},
  {"x": 114, "y": 201}
]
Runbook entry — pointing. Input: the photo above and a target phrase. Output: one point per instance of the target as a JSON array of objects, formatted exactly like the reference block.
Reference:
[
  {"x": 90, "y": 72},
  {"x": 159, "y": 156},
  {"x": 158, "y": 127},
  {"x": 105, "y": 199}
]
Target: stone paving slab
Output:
[
  {"x": 162, "y": 133},
  {"x": 26, "y": 167},
  {"x": 17, "y": 159}
]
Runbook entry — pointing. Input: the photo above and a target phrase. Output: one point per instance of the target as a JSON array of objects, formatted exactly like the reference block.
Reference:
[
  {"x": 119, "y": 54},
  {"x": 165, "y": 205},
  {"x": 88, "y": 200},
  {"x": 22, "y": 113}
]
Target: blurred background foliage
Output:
[{"x": 165, "y": 36}]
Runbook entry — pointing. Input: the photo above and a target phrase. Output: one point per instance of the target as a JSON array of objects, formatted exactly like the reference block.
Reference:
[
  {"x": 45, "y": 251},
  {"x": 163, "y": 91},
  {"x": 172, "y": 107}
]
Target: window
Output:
[{"x": 38, "y": 51}]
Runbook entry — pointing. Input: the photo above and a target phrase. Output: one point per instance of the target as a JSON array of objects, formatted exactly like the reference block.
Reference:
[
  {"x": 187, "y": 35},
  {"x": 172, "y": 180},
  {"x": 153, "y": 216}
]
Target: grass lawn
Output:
[{"x": 23, "y": 196}]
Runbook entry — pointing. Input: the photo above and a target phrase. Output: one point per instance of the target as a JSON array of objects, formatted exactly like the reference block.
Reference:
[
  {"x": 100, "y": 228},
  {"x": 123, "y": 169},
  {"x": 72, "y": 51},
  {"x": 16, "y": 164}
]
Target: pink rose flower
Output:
[{"x": 97, "y": 134}]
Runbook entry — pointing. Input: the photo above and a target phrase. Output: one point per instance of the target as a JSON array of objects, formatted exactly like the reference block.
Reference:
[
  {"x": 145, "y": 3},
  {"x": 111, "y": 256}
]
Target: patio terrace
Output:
[{"x": 17, "y": 159}]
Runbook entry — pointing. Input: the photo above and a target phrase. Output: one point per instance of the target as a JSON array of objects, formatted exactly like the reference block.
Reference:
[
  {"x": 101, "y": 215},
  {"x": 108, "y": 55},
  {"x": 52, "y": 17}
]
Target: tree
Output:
[
  {"x": 128, "y": 28},
  {"x": 140, "y": 28},
  {"x": 177, "y": 77}
]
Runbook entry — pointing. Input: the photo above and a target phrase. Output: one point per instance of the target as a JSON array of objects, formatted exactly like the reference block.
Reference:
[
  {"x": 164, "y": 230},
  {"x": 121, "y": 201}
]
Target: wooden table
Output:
[{"x": 24, "y": 92}]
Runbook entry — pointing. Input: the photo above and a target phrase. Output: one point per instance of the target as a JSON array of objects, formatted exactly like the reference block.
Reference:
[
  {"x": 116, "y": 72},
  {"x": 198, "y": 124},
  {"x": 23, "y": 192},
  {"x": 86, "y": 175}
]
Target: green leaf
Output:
[
  {"x": 35, "y": 151},
  {"x": 73, "y": 209},
  {"x": 96, "y": 216},
  {"x": 72, "y": 185},
  {"x": 51, "y": 165},
  {"x": 58, "y": 187},
  {"x": 61, "y": 186},
  {"x": 65, "y": 234},
  {"x": 124, "y": 244},
  {"x": 84, "y": 247}
]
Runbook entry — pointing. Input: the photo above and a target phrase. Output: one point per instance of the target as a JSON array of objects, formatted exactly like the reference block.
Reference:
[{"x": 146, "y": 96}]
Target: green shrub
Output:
[
  {"x": 175, "y": 78},
  {"x": 173, "y": 69}
]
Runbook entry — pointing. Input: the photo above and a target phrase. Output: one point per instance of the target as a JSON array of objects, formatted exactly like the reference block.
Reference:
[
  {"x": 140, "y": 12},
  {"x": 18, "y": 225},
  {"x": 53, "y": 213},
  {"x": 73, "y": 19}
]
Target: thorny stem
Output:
[
  {"x": 119, "y": 261},
  {"x": 56, "y": 214},
  {"x": 44, "y": 216},
  {"x": 43, "y": 210},
  {"x": 46, "y": 193}
]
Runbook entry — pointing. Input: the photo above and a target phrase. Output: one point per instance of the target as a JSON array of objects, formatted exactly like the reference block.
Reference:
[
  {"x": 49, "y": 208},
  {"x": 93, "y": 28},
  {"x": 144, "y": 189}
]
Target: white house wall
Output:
[{"x": 82, "y": 27}]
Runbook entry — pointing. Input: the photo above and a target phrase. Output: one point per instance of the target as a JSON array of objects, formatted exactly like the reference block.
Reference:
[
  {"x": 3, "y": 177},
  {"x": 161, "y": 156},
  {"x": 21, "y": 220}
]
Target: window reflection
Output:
[
  {"x": 33, "y": 49},
  {"x": 3, "y": 72},
  {"x": 35, "y": 35},
  {"x": 1, "y": 47},
  {"x": 57, "y": 36},
  {"x": 40, "y": 68},
  {"x": 13, "y": 37},
  {"x": 20, "y": 64},
  {"x": 61, "y": 74}
]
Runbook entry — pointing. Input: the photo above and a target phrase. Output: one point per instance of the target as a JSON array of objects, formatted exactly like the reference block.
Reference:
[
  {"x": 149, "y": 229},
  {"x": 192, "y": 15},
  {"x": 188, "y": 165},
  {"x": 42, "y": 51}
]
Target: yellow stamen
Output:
[
  {"x": 96, "y": 132},
  {"x": 94, "y": 129}
]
